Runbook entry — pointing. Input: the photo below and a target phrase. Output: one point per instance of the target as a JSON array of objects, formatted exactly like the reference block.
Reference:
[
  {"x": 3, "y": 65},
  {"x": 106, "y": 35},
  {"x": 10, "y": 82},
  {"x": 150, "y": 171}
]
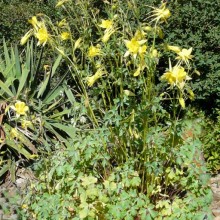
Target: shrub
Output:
[{"x": 196, "y": 23}]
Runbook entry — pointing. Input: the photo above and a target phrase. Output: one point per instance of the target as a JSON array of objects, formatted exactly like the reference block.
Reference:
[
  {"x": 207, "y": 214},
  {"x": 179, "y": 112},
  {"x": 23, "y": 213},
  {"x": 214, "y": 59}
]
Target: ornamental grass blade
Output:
[
  {"x": 22, "y": 80},
  {"x": 44, "y": 86},
  {"x": 6, "y": 54},
  {"x": 19, "y": 148},
  {"x": 56, "y": 64},
  {"x": 6, "y": 89},
  {"x": 4, "y": 169},
  {"x": 69, "y": 95},
  {"x": 64, "y": 112},
  {"x": 67, "y": 129}
]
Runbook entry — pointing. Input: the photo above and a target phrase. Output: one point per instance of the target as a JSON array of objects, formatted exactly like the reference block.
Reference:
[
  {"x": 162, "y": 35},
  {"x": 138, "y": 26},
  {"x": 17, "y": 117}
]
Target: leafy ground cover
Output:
[{"x": 109, "y": 137}]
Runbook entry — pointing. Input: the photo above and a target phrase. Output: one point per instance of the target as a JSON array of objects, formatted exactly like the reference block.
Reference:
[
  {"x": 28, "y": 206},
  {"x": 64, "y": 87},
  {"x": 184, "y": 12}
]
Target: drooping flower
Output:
[
  {"x": 134, "y": 47},
  {"x": 94, "y": 51},
  {"x": 20, "y": 108},
  {"x": 61, "y": 2},
  {"x": 107, "y": 34},
  {"x": 35, "y": 23},
  {"x": 185, "y": 55},
  {"x": 176, "y": 49},
  {"x": 25, "y": 38},
  {"x": 182, "y": 103},
  {"x": 106, "y": 24},
  {"x": 162, "y": 13},
  {"x": 62, "y": 23},
  {"x": 92, "y": 79},
  {"x": 77, "y": 43},
  {"x": 65, "y": 35}
]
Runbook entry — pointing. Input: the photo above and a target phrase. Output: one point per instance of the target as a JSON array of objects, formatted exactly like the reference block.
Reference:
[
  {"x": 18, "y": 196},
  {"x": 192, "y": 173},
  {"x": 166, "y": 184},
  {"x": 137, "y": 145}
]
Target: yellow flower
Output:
[
  {"x": 77, "y": 43},
  {"x": 65, "y": 35},
  {"x": 42, "y": 36},
  {"x": 25, "y": 38},
  {"x": 94, "y": 51},
  {"x": 14, "y": 133},
  {"x": 107, "y": 34},
  {"x": 59, "y": 3},
  {"x": 134, "y": 47},
  {"x": 62, "y": 23},
  {"x": 154, "y": 53},
  {"x": 92, "y": 79},
  {"x": 24, "y": 206},
  {"x": 173, "y": 48},
  {"x": 35, "y": 23},
  {"x": 176, "y": 76},
  {"x": 182, "y": 103},
  {"x": 106, "y": 24},
  {"x": 185, "y": 55},
  {"x": 139, "y": 35},
  {"x": 20, "y": 108},
  {"x": 25, "y": 124},
  {"x": 162, "y": 13}
]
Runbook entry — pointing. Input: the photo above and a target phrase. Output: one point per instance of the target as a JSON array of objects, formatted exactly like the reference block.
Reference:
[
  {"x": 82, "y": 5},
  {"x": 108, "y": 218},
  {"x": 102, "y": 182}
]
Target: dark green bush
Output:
[{"x": 195, "y": 23}]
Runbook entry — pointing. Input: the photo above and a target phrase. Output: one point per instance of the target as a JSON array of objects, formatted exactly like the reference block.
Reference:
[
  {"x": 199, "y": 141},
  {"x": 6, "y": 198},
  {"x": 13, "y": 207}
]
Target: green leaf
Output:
[
  {"x": 19, "y": 148},
  {"x": 4, "y": 169},
  {"x": 22, "y": 80},
  {"x": 67, "y": 129},
  {"x": 43, "y": 86},
  {"x": 6, "y": 89},
  {"x": 69, "y": 95},
  {"x": 56, "y": 64}
]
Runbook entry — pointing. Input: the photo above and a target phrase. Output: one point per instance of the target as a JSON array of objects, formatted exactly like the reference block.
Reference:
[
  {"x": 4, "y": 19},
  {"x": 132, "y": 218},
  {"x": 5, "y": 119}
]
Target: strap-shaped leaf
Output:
[
  {"x": 4, "y": 169},
  {"x": 43, "y": 86},
  {"x": 19, "y": 148},
  {"x": 22, "y": 80},
  {"x": 71, "y": 131},
  {"x": 6, "y": 89}
]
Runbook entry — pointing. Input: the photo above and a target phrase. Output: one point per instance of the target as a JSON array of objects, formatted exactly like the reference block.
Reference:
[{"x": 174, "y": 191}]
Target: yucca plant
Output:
[{"x": 33, "y": 108}]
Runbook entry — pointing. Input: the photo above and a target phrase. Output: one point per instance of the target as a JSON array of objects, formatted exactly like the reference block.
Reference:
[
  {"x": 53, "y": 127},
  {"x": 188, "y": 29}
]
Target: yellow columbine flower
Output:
[
  {"x": 139, "y": 35},
  {"x": 162, "y": 13},
  {"x": 94, "y": 51},
  {"x": 173, "y": 48},
  {"x": 35, "y": 23},
  {"x": 107, "y": 34},
  {"x": 106, "y": 24},
  {"x": 20, "y": 108},
  {"x": 65, "y": 35},
  {"x": 176, "y": 76},
  {"x": 92, "y": 79},
  {"x": 182, "y": 103},
  {"x": 25, "y": 38},
  {"x": 62, "y": 23},
  {"x": 134, "y": 47},
  {"x": 77, "y": 43},
  {"x": 42, "y": 36},
  {"x": 185, "y": 55},
  {"x": 59, "y": 3}
]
